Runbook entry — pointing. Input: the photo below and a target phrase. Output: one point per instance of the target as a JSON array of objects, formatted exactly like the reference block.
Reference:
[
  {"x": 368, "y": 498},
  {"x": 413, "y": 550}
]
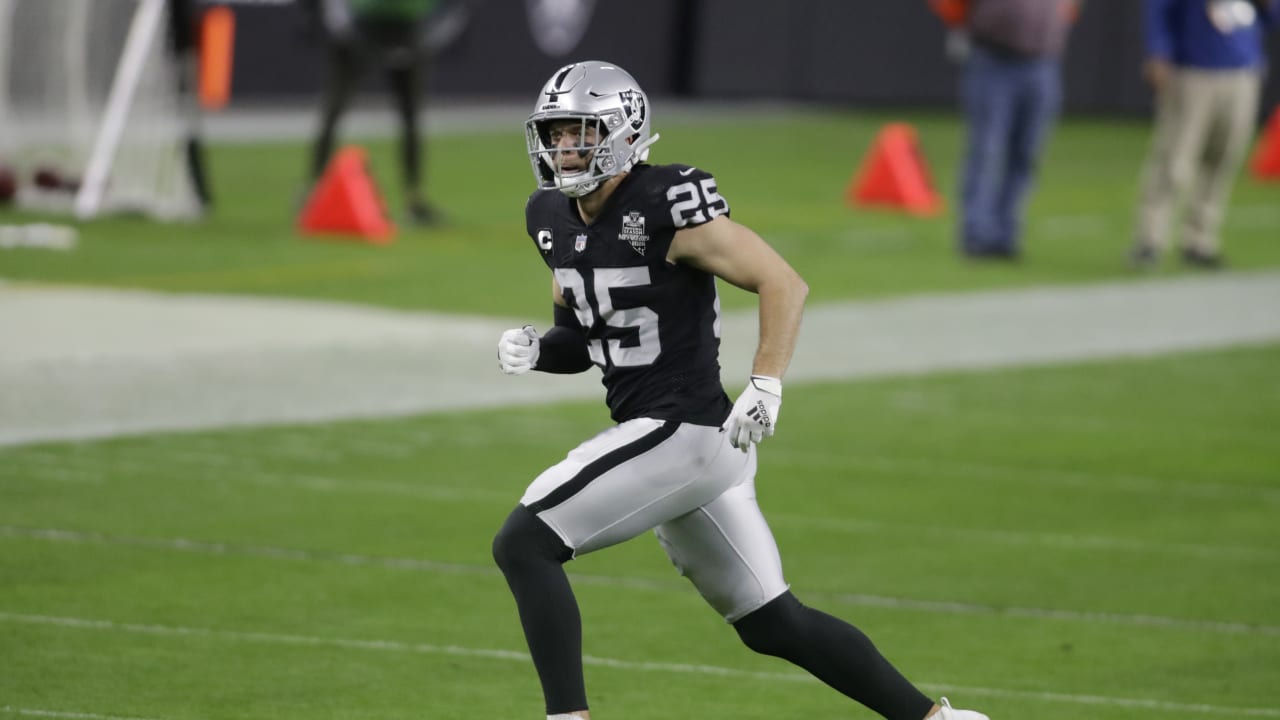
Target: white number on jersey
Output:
[
  {"x": 690, "y": 200},
  {"x": 642, "y": 319}
]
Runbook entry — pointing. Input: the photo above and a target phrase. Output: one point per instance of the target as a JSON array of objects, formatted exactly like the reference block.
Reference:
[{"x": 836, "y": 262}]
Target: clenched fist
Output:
[{"x": 518, "y": 350}]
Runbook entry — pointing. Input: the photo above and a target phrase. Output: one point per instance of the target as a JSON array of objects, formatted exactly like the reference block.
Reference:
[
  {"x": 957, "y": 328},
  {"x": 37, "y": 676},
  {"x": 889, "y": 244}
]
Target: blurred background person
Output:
[
  {"x": 1011, "y": 90},
  {"x": 1205, "y": 61},
  {"x": 392, "y": 34},
  {"x": 185, "y": 44}
]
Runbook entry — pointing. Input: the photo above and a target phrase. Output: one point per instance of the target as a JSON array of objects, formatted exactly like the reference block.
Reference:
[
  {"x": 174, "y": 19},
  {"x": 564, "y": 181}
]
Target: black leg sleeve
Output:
[
  {"x": 835, "y": 652},
  {"x": 345, "y": 68},
  {"x": 531, "y": 557},
  {"x": 405, "y": 87}
]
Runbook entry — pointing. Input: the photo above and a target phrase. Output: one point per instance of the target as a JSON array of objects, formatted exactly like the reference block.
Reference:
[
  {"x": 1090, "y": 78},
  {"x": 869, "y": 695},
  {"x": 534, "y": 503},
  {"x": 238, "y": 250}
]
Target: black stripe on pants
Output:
[{"x": 604, "y": 464}]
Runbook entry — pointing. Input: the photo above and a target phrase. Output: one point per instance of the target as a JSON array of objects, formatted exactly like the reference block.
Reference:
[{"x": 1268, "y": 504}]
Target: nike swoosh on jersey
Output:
[{"x": 686, "y": 173}]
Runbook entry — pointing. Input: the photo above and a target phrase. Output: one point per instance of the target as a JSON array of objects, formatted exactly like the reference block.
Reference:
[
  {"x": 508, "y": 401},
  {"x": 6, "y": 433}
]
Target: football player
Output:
[{"x": 634, "y": 252}]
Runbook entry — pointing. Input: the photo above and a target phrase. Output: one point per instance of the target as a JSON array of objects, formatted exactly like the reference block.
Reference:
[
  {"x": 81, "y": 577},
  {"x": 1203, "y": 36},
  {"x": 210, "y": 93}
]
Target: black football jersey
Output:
[{"x": 652, "y": 326}]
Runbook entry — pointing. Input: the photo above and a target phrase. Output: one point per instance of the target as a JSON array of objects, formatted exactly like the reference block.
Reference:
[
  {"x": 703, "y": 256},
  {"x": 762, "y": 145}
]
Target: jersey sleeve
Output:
[
  {"x": 691, "y": 196},
  {"x": 679, "y": 197},
  {"x": 537, "y": 223}
]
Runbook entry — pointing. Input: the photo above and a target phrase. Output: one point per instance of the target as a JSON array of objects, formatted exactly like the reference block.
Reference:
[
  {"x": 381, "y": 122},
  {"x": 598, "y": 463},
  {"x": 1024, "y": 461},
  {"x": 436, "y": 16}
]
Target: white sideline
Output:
[
  {"x": 612, "y": 663},
  {"x": 39, "y": 712},
  {"x": 79, "y": 363}
]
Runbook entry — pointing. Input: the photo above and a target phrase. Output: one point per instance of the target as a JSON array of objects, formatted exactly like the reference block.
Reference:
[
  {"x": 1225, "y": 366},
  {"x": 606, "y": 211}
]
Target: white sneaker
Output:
[{"x": 949, "y": 713}]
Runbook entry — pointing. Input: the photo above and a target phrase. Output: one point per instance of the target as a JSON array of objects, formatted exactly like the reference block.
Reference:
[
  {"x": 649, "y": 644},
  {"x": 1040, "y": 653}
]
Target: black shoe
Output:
[
  {"x": 1144, "y": 257},
  {"x": 1201, "y": 259},
  {"x": 993, "y": 253},
  {"x": 424, "y": 214}
]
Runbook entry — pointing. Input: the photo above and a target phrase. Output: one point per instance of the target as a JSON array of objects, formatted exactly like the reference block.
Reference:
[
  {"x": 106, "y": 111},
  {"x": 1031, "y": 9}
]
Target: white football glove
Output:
[
  {"x": 518, "y": 350},
  {"x": 756, "y": 413}
]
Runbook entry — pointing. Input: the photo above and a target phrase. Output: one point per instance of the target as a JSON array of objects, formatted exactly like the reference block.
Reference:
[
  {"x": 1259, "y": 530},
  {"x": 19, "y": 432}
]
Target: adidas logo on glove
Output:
[
  {"x": 754, "y": 414},
  {"x": 760, "y": 414}
]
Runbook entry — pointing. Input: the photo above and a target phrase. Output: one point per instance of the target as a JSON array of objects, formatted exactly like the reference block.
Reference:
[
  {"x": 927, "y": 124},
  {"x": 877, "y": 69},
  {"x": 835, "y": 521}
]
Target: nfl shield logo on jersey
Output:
[
  {"x": 580, "y": 243},
  {"x": 633, "y": 231}
]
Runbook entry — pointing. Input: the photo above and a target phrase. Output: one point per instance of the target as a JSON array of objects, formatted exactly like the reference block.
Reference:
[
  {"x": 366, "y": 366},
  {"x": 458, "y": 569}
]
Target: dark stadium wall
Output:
[
  {"x": 279, "y": 53},
  {"x": 893, "y": 53},
  {"x": 826, "y": 51}
]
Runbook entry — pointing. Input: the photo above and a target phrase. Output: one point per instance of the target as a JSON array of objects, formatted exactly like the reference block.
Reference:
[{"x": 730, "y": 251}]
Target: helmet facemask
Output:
[
  {"x": 587, "y": 140},
  {"x": 601, "y": 108}
]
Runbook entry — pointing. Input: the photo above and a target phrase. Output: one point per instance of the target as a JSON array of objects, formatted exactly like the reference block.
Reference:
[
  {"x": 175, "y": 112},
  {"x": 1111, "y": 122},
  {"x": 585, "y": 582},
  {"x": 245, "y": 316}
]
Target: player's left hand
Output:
[{"x": 755, "y": 413}]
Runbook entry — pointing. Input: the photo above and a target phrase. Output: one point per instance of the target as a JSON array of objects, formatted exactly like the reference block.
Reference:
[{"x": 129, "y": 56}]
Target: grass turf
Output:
[
  {"x": 1051, "y": 543},
  {"x": 1094, "y": 531}
]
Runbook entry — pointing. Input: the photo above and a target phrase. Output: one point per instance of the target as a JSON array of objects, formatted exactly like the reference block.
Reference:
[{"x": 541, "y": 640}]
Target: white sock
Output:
[{"x": 565, "y": 716}]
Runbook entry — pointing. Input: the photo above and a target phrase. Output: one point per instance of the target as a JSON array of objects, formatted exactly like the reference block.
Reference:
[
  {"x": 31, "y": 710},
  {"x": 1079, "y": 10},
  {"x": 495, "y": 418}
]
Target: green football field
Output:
[{"x": 1091, "y": 540}]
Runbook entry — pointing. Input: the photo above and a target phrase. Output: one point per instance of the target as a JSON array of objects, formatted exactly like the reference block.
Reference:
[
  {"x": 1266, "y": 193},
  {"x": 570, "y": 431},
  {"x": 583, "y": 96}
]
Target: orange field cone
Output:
[
  {"x": 346, "y": 202},
  {"x": 1266, "y": 158},
  {"x": 894, "y": 174},
  {"x": 217, "y": 44}
]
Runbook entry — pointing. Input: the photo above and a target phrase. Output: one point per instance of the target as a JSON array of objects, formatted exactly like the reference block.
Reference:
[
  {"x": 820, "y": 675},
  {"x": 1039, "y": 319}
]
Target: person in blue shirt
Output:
[{"x": 1205, "y": 61}]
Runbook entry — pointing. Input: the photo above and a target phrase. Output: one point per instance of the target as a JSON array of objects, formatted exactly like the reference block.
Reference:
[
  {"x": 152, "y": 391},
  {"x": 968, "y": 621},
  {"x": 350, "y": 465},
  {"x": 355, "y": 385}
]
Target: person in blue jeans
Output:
[{"x": 1011, "y": 91}]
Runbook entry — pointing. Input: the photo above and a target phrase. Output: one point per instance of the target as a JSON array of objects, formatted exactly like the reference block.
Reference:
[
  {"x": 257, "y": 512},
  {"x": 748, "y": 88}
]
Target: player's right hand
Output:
[{"x": 518, "y": 350}]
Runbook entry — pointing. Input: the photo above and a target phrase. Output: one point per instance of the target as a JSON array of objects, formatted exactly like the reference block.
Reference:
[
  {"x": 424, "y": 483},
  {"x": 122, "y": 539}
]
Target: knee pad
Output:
[
  {"x": 524, "y": 538},
  {"x": 771, "y": 629}
]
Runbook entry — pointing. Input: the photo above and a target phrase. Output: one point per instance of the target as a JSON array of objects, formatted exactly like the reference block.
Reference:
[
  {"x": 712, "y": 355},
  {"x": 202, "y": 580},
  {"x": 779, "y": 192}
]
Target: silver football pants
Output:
[{"x": 685, "y": 482}]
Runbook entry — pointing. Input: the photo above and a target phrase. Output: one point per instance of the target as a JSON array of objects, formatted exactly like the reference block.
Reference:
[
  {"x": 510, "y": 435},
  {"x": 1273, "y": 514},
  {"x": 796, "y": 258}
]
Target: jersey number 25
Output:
[
  {"x": 621, "y": 323},
  {"x": 690, "y": 200}
]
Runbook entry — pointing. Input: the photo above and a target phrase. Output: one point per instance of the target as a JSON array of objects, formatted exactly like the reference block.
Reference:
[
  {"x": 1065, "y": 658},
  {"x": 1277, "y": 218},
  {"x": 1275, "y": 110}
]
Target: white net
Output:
[{"x": 91, "y": 118}]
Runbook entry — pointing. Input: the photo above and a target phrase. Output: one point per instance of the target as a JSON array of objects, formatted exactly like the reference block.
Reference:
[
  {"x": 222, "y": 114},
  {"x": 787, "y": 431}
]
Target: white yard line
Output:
[
  {"x": 92, "y": 363},
  {"x": 1093, "y": 481},
  {"x": 63, "y": 714},
  {"x": 228, "y": 468},
  {"x": 612, "y": 663},
  {"x": 1059, "y": 541},
  {"x": 654, "y": 585}
]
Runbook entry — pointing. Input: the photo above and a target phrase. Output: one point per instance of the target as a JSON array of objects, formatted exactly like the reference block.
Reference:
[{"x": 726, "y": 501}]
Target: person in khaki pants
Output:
[{"x": 1205, "y": 61}]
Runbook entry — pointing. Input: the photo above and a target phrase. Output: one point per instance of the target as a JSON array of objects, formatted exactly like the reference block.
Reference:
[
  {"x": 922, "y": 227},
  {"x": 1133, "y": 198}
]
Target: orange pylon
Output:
[
  {"x": 1266, "y": 158},
  {"x": 894, "y": 174},
  {"x": 346, "y": 202}
]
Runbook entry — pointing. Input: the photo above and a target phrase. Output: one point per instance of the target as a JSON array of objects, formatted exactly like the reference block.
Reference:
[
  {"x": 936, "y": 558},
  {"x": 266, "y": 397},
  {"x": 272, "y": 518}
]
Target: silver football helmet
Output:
[{"x": 612, "y": 113}]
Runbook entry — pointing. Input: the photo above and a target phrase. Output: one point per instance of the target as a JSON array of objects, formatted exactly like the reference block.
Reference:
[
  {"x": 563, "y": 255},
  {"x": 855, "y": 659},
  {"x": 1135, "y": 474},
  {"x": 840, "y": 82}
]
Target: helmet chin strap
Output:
[
  {"x": 579, "y": 189},
  {"x": 583, "y": 190},
  {"x": 640, "y": 152}
]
